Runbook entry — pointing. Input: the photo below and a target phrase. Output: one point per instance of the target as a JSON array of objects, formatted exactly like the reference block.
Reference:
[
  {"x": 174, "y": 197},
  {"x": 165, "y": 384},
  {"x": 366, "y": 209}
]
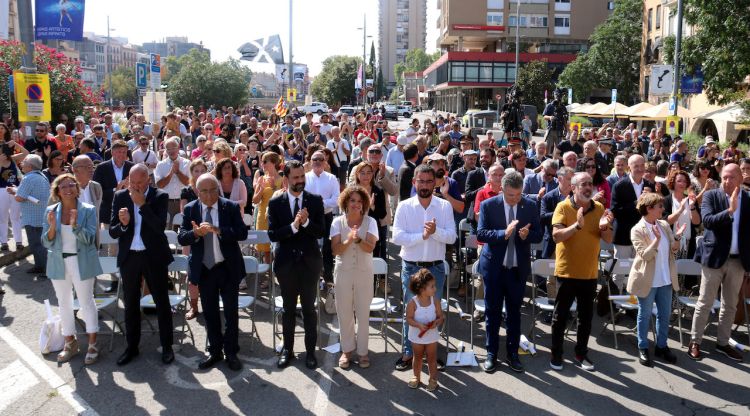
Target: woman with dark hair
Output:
[
  {"x": 4, "y": 133},
  {"x": 681, "y": 209},
  {"x": 603, "y": 192},
  {"x": 10, "y": 176},
  {"x": 657, "y": 152},
  {"x": 55, "y": 166},
  {"x": 703, "y": 179},
  {"x": 365, "y": 177},
  {"x": 332, "y": 168},
  {"x": 232, "y": 187}
]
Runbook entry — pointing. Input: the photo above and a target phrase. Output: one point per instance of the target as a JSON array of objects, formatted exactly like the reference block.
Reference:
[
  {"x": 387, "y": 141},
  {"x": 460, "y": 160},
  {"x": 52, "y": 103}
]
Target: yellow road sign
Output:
[{"x": 33, "y": 96}]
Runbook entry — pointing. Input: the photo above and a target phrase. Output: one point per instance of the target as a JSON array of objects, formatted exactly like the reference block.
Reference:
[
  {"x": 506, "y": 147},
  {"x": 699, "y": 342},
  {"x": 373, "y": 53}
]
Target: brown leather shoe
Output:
[
  {"x": 694, "y": 351},
  {"x": 729, "y": 352}
]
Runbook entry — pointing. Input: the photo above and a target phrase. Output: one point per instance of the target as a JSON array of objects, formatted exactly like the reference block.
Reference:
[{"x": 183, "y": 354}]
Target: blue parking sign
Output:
[{"x": 140, "y": 75}]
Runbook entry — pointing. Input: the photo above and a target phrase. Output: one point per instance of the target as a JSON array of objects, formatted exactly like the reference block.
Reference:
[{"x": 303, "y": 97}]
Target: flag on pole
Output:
[
  {"x": 358, "y": 83},
  {"x": 280, "y": 109},
  {"x": 264, "y": 50}
]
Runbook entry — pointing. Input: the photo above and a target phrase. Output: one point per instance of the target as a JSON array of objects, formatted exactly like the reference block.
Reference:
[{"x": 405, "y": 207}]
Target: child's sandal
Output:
[{"x": 414, "y": 383}]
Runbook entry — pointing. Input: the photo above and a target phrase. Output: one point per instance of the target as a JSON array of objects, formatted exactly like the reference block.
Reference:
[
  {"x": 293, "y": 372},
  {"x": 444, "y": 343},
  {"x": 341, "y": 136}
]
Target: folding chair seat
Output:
[
  {"x": 687, "y": 267},
  {"x": 177, "y": 300},
  {"x": 104, "y": 301}
]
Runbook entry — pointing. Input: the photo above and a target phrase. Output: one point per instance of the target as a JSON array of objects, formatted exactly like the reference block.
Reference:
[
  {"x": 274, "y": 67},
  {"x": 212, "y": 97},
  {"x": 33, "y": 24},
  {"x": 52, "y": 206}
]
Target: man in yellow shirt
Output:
[{"x": 577, "y": 226}]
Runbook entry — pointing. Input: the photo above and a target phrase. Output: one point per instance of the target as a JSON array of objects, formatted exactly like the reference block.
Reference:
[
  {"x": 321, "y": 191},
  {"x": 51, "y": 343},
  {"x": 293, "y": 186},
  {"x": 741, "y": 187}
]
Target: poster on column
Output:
[
  {"x": 59, "y": 19},
  {"x": 33, "y": 96},
  {"x": 4, "y": 19},
  {"x": 154, "y": 106}
]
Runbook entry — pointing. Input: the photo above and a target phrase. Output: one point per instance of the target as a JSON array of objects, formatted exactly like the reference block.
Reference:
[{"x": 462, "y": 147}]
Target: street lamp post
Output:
[
  {"x": 518, "y": 35},
  {"x": 677, "y": 51},
  {"x": 109, "y": 64},
  {"x": 364, "y": 58}
]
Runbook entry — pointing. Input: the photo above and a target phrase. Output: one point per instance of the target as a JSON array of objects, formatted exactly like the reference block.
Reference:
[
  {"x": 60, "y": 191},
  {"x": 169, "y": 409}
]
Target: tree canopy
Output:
[
  {"x": 196, "y": 80},
  {"x": 720, "y": 47},
  {"x": 613, "y": 59},
  {"x": 335, "y": 83},
  {"x": 123, "y": 85},
  {"x": 416, "y": 60},
  {"x": 534, "y": 78}
]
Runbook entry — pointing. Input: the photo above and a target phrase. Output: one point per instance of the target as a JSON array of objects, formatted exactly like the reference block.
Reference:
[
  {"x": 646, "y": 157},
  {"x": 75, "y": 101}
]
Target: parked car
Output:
[
  {"x": 315, "y": 107},
  {"x": 347, "y": 109},
  {"x": 404, "y": 111},
  {"x": 391, "y": 112}
]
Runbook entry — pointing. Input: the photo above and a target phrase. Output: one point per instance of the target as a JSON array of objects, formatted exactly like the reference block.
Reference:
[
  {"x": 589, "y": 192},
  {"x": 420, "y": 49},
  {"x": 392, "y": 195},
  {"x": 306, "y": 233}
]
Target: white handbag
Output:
[{"x": 50, "y": 337}]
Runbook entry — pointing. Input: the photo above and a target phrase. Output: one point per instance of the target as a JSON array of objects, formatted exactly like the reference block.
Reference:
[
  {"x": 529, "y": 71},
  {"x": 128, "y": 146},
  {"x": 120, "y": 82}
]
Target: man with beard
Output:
[
  {"x": 577, "y": 226},
  {"x": 296, "y": 221},
  {"x": 423, "y": 226},
  {"x": 476, "y": 179}
]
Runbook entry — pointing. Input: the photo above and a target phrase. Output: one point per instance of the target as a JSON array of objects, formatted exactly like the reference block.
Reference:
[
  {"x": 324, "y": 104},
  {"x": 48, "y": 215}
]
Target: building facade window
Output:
[
  {"x": 562, "y": 24},
  {"x": 512, "y": 21},
  {"x": 650, "y": 19},
  {"x": 495, "y": 4},
  {"x": 658, "y": 16},
  {"x": 562, "y": 5},
  {"x": 495, "y": 19},
  {"x": 538, "y": 21},
  {"x": 610, "y": 5}
]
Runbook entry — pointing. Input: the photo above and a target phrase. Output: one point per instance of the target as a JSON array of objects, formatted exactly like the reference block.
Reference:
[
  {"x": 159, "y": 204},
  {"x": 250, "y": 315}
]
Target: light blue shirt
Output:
[
  {"x": 118, "y": 171},
  {"x": 395, "y": 159},
  {"x": 137, "y": 243},
  {"x": 33, "y": 185}
]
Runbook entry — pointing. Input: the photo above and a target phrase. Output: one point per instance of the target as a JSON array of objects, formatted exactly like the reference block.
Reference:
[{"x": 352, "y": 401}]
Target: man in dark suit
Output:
[
  {"x": 625, "y": 195},
  {"x": 112, "y": 176},
  {"x": 508, "y": 225},
  {"x": 723, "y": 252},
  {"x": 212, "y": 227},
  {"x": 139, "y": 217},
  {"x": 295, "y": 223},
  {"x": 406, "y": 171}
]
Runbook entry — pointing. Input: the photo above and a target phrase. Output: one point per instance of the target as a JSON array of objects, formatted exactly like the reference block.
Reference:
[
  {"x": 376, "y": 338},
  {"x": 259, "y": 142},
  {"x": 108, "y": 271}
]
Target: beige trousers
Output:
[{"x": 729, "y": 278}]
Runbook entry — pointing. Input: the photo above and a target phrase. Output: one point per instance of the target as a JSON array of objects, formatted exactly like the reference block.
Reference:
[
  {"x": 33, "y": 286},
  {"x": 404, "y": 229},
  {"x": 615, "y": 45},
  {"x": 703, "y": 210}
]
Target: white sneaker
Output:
[{"x": 584, "y": 362}]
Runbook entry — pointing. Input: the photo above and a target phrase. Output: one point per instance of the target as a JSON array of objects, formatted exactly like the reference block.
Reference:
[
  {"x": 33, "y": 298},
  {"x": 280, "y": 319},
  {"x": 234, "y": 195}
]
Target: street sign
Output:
[
  {"x": 254, "y": 90},
  {"x": 155, "y": 59},
  {"x": 370, "y": 94},
  {"x": 33, "y": 96},
  {"x": 614, "y": 95},
  {"x": 672, "y": 104},
  {"x": 140, "y": 75},
  {"x": 662, "y": 80},
  {"x": 673, "y": 125},
  {"x": 570, "y": 95},
  {"x": 291, "y": 94}
]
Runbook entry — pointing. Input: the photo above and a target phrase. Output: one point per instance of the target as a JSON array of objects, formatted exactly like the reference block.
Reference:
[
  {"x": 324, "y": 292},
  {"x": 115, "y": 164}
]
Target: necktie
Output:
[
  {"x": 208, "y": 244},
  {"x": 296, "y": 207},
  {"x": 510, "y": 252}
]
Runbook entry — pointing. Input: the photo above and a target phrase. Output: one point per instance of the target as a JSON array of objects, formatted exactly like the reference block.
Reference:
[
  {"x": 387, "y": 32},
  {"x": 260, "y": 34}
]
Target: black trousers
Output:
[
  {"x": 214, "y": 284},
  {"x": 299, "y": 279},
  {"x": 583, "y": 292},
  {"x": 327, "y": 252},
  {"x": 381, "y": 246},
  {"x": 139, "y": 265}
]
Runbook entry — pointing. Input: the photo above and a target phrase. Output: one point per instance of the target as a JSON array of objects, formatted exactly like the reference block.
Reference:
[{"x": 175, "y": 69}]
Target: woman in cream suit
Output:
[{"x": 654, "y": 274}]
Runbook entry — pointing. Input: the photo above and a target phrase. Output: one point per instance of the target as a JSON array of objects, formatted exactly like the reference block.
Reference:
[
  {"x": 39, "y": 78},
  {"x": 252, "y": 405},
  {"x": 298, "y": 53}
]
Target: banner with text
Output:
[
  {"x": 59, "y": 19},
  {"x": 33, "y": 96}
]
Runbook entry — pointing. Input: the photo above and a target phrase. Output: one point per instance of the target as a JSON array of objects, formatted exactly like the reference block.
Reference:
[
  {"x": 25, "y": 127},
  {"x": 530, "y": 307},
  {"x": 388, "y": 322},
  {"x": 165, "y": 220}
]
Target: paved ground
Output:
[{"x": 34, "y": 384}]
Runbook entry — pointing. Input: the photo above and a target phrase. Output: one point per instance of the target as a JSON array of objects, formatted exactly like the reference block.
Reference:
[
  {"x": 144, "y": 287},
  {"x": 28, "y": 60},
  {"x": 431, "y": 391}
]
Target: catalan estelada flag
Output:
[{"x": 280, "y": 109}]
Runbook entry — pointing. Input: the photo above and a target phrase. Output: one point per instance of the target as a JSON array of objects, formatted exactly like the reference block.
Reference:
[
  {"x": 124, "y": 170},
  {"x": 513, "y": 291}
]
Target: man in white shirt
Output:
[
  {"x": 172, "y": 174},
  {"x": 325, "y": 127},
  {"x": 341, "y": 150},
  {"x": 423, "y": 226},
  {"x": 322, "y": 183},
  {"x": 144, "y": 155}
]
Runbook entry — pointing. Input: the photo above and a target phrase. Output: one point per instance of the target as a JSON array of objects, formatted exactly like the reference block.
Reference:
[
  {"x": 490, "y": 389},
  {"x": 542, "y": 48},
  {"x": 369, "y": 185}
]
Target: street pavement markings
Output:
[
  {"x": 47, "y": 374},
  {"x": 320, "y": 405},
  {"x": 15, "y": 379}
]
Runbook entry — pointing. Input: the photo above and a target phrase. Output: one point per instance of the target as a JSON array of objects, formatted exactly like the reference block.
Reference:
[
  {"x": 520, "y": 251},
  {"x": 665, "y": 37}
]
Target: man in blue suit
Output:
[
  {"x": 533, "y": 184},
  {"x": 723, "y": 252},
  {"x": 508, "y": 225},
  {"x": 213, "y": 227}
]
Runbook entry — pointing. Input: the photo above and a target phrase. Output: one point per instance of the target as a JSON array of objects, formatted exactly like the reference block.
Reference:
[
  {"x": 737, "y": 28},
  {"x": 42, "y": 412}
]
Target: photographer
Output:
[
  {"x": 557, "y": 121},
  {"x": 511, "y": 114}
]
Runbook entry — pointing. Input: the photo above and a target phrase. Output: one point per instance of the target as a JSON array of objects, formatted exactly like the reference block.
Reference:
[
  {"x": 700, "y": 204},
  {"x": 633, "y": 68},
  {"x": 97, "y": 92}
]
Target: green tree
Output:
[
  {"x": 380, "y": 84},
  {"x": 614, "y": 56},
  {"x": 534, "y": 78},
  {"x": 200, "y": 82},
  {"x": 123, "y": 85},
  {"x": 335, "y": 83},
  {"x": 371, "y": 65},
  {"x": 173, "y": 64},
  {"x": 720, "y": 47},
  {"x": 416, "y": 60}
]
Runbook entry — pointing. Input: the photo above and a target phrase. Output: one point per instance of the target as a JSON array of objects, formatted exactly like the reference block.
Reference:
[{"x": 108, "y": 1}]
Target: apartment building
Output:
[{"x": 402, "y": 26}]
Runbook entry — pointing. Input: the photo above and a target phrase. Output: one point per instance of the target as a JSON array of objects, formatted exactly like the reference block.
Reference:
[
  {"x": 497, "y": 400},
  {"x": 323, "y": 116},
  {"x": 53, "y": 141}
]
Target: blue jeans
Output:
[
  {"x": 407, "y": 270},
  {"x": 663, "y": 298},
  {"x": 34, "y": 236}
]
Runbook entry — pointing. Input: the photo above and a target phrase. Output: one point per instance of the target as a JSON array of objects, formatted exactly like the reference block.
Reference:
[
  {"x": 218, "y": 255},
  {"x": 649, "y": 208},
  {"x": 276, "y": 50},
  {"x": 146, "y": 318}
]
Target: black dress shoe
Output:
[
  {"x": 167, "y": 355},
  {"x": 127, "y": 357},
  {"x": 310, "y": 361},
  {"x": 666, "y": 354},
  {"x": 285, "y": 358},
  {"x": 112, "y": 287},
  {"x": 644, "y": 358},
  {"x": 440, "y": 365},
  {"x": 490, "y": 364},
  {"x": 403, "y": 365},
  {"x": 210, "y": 361},
  {"x": 234, "y": 363},
  {"x": 514, "y": 362}
]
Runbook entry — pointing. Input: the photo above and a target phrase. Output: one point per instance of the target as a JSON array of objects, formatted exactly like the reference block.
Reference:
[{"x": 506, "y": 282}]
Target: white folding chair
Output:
[
  {"x": 540, "y": 304},
  {"x": 248, "y": 220},
  {"x": 247, "y": 302},
  {"x": 176, "y": 221},
  {"x": 613, "y": 267},
  {"x": 103, "y": 301},
  {"x": 378, "y": 304},
  {"x": 687, "y": 267},
  {"x": 466, "y": 247},
  {"x": 178, "y": 300},
  {"x": 174, "y": 245}
]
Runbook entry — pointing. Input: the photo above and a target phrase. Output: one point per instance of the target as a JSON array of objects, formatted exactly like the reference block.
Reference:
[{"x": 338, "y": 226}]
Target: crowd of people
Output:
[{"x": 333, "y": 194}]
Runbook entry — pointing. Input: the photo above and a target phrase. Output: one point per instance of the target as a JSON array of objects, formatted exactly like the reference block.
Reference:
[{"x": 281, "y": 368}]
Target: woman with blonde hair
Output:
[
  {"x": 264, "y": 187},
  {"x": 69, "y": 234}
]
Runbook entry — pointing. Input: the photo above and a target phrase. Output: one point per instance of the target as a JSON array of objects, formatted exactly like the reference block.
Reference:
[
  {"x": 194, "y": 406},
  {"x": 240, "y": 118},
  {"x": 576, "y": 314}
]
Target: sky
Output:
[{"x": 321, "y": 28}]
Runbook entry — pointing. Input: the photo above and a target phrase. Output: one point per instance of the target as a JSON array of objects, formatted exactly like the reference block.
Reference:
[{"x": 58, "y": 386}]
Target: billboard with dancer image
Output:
[{"x": 59, "y": 19}]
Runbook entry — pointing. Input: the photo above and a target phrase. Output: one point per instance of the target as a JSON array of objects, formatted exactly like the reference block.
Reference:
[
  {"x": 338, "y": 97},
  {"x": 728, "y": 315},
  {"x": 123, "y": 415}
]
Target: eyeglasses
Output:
[
  {"x": 317, "y": 159},
  {"x": 208, "y": 191},
  {"x": 373, "y": 151},
  {"x": 41, "y": 131},
  {"x": 586, "y": 183},
  {"x": 67, "y": 185},
  {"x": 427, "y": 182},
  {"x": 704, "y": 168}
]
